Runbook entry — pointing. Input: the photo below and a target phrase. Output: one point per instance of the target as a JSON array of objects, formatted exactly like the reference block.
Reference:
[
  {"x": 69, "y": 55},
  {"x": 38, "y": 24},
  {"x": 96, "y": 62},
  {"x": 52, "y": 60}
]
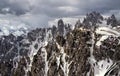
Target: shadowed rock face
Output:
[
  {"x": 60, "y": 27},
  {"x": 112, "y": 21},
  {"x": 92, "y": 19},
  {"x": 61, "y": 51}
]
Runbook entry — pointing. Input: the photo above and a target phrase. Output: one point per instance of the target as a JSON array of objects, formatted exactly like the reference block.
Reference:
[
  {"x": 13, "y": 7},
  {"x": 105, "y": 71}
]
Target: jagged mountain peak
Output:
[
  {"x": 92, "y": 19},
  {"x": 112, "y": 21}
]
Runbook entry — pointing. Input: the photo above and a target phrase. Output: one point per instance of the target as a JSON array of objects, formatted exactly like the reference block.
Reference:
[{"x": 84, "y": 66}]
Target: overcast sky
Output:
[{"x": 39, "y": 12}]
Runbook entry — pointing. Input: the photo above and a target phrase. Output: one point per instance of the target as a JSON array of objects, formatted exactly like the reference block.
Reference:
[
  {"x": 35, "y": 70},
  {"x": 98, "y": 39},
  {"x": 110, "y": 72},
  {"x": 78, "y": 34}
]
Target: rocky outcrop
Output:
[
  {"x": 112, "y": 21},
  {"x": 92, "y": 19}
]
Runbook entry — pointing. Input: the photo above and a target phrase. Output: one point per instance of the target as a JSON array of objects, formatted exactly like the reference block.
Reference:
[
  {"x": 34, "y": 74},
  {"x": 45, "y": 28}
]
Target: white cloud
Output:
[{"x": 68, "y": 9}]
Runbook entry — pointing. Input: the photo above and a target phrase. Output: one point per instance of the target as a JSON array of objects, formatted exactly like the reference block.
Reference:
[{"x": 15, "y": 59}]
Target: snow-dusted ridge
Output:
[
  {"x": 12, "y": 27},
  {"x": 106, "y": 32}
]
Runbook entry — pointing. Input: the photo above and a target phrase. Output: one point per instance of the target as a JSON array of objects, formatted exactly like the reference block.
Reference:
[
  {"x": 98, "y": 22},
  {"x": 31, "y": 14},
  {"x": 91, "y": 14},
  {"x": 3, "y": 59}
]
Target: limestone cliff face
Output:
[{"x": 92, "y": 48}]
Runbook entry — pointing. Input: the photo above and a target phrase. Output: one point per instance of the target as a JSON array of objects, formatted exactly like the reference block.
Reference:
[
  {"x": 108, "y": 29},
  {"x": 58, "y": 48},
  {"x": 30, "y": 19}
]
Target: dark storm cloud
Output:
[
  {"x": 17, "y": 7},
  {"x": 58, "y": 8}
]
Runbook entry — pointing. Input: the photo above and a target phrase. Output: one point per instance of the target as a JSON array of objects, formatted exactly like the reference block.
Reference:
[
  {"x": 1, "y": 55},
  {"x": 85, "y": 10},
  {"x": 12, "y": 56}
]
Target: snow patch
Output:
[
  {"x": 101, "y": 39},
  {"x": 107, "y": 31},
  {"x": 102, "y": 67}
]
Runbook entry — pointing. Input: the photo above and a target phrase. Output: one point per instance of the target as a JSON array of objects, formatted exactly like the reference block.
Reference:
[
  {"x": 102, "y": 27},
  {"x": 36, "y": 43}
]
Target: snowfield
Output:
[
  {"x": 12, "y": 27},
  {"x": 102, "y": 67}
]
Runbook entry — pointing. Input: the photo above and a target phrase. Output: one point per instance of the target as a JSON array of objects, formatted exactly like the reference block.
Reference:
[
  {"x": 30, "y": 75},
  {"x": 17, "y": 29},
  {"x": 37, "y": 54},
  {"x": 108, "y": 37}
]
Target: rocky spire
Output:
[
  {"x": 54, "y": 30},
  {"x": 112, "y": 21},
  {"x": 78, "y": 24},
  {"x": 60, "y": 27}
]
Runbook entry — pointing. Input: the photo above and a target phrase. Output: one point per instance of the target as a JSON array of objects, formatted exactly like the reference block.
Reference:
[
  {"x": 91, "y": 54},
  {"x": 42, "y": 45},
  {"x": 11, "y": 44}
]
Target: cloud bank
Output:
[{"x": 39, "y": 12}]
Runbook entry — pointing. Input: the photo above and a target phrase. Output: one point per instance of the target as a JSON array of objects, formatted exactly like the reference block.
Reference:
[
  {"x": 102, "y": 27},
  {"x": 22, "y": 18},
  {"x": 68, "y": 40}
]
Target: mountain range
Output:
[{"x": 89, "y": 48}]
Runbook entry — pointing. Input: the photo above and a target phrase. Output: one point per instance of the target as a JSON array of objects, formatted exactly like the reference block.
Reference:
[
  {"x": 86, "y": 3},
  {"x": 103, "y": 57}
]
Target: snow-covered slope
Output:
[
  {"x": 12, "y": 27},
  {"x": 106, "y": 32}
]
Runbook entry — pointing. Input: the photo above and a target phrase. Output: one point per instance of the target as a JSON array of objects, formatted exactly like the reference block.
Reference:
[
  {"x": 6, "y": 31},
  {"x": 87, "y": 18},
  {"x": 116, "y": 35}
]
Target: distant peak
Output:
[{"x": 16, "y": 28}]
